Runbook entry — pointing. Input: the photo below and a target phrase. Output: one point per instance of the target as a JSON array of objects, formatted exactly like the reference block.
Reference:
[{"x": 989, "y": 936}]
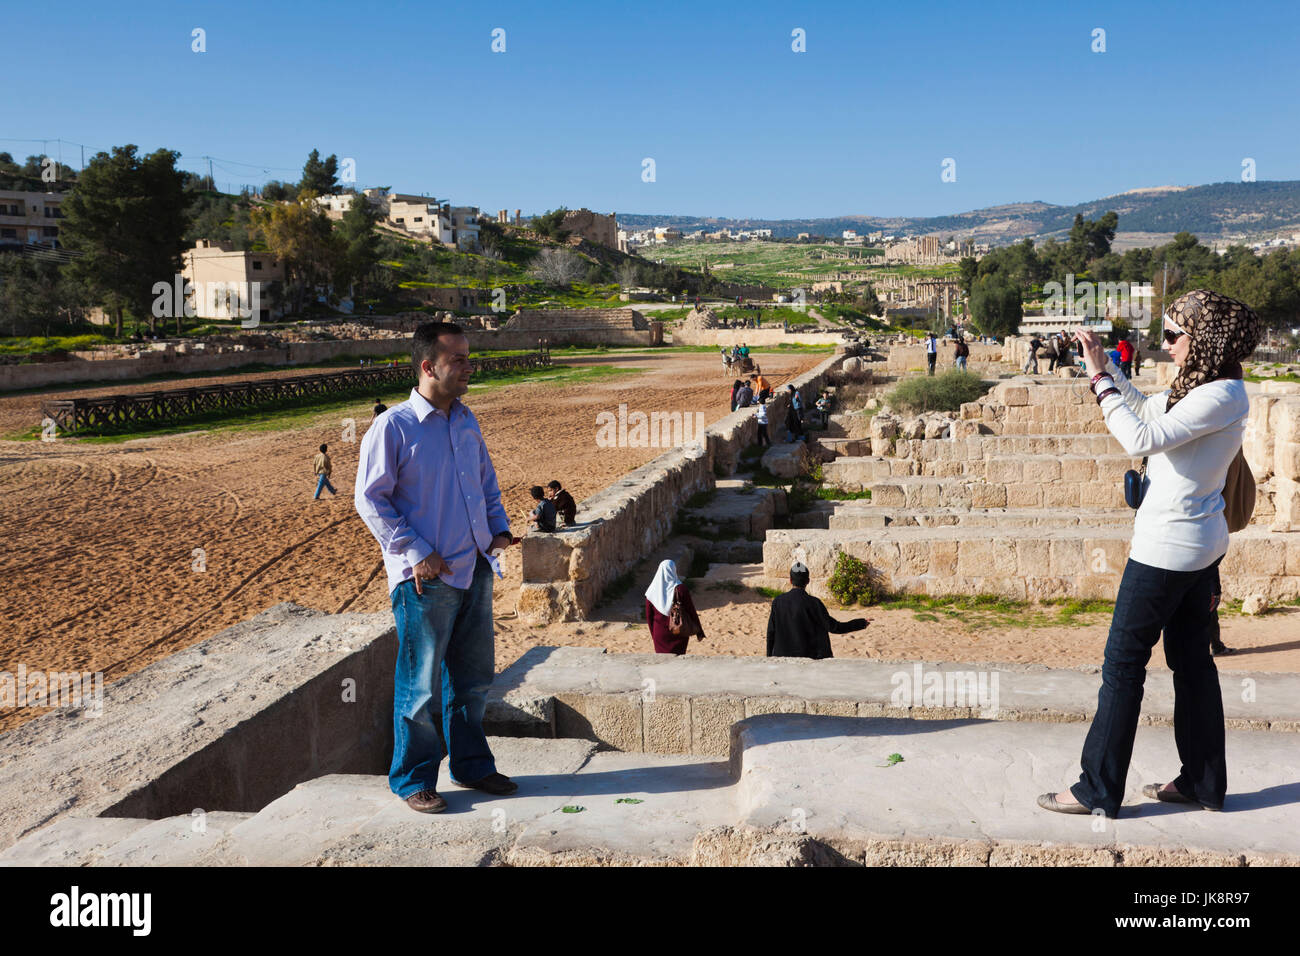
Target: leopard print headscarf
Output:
[{"x": 1223, "y": 333}]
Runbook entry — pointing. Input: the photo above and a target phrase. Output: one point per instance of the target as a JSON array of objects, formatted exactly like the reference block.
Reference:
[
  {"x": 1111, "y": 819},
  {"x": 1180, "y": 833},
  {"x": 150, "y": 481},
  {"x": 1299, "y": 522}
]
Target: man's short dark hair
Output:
[
  {"x": 554, "y": 484},
  {"x": 323, "y": 447},
  {"x": 799, "y": 578},
  {"x": 536, "y": 492},
  {"x": 425, "y": 345}
]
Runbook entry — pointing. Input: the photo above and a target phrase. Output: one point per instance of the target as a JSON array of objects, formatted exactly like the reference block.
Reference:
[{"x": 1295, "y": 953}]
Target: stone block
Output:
[
  {"x": 1105, "y": 556},
  {"x": 914, "y": 558},
  {"x": 613, "y": 720},
  {"x": 888, "y": 495},
  {"x": 1103, "y": 587},
  {"x": 1024, "y": 496},
  {"x": 1078, "y": 469},
  {"x": 1061, "y": 494},
  {"x": 1005, "y": 470},
  {"x": 1065, "y": 557},
  {"x": 984, "y": 495},
  {"x": 943, "y": 558},
  {"x": 1042, "y": 470},
  {"x": 667, "y": 724},
  {"x": 1102, "y": 494},
  {"x": 1032, "y": 556},
  {"x": 1013, "y": 395},
  {"x": 711, "y": 720},
  {"x": 773, "y": 705},
  {"x": 1286, "y": 459}
]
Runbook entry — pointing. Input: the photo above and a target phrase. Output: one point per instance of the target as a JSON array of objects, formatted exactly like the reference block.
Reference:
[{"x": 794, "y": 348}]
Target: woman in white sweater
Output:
[{"x": 1191, "y": 433}]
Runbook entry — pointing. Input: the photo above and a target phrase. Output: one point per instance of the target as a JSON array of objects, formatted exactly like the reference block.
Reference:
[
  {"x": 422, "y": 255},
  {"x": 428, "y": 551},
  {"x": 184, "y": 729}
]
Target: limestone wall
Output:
[
  {"x": 1272, "y": 448},
  {"x": 755, "y": 338},
  {"x": 904, "y": 357},
  {"x": 564, "y": 574},
  {"x": 229, "y": 723}
]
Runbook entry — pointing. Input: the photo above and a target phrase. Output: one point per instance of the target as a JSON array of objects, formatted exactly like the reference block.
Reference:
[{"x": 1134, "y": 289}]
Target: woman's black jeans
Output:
[{"x": 1152, "y": 600}]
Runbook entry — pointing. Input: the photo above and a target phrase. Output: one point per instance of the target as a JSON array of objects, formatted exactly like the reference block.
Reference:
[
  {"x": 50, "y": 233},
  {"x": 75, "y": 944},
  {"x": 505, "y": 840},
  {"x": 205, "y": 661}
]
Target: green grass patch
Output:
[
  {"x": 768, "y": 593},
  {"x": 982, "y": 611},
  {"x": 837, "y": 494},
  {"x": 938, "y": 393}
]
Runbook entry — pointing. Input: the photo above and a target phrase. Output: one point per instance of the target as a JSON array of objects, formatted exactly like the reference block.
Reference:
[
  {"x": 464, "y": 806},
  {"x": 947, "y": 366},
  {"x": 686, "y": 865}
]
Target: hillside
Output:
[{"x": 1214, "y": 211}]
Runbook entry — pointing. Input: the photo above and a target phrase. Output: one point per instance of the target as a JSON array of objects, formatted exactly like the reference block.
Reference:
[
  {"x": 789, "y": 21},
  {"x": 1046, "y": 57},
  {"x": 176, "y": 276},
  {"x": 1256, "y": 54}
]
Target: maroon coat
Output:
[{"x": 665, "y": 642}]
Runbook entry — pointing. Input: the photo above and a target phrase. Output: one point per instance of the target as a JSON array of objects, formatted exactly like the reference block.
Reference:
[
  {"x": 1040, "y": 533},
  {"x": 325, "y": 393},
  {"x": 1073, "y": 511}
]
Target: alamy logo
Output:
[
  {"x": 1097, "y": 300},
  {"x": 935, "y": 688},
  {"x": 654, "y": 430},
  {"x": 53, "y": 689},
  {"x": 75, "y": 908},
  {"x": 220, "y": 300}
]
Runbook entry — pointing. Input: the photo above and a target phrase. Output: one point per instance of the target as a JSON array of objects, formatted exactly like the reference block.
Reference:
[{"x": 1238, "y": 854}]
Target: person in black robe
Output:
[{"x": 800, "y": 626}]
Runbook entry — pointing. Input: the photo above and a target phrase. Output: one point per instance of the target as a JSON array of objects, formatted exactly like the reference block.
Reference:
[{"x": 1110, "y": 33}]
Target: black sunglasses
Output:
[{"x": 1172, "y": 337}]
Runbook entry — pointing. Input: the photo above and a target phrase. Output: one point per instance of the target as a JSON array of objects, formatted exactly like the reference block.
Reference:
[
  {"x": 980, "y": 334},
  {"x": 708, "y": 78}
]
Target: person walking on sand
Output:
[
  {"x": 670, "y": 612},
  {"x": 931, "y": 351},
  {"x": 428, "y": 492},
  {"x": 1192, "y": 433},
  {"x": 799, "y": 624},
  {"x": 322, "y": 466}
]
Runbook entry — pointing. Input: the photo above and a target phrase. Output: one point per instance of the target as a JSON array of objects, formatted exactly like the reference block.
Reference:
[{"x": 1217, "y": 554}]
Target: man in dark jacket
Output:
[
  {"x": 563, "y": 501},
  {"x": 799, "y": 624}
]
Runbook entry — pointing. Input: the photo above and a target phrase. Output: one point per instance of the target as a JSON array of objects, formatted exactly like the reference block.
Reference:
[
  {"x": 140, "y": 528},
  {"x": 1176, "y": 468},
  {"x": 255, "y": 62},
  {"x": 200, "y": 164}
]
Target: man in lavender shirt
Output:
[{"x": 428, "y": 492}]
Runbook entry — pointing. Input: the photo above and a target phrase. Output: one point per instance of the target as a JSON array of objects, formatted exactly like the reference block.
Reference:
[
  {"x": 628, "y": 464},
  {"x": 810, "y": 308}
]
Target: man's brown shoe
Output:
[{"x": 426, "y": 801}]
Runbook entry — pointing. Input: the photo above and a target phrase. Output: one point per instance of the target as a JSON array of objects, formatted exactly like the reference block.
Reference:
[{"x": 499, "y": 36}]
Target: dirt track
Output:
[{"x": 103, "y": 542}]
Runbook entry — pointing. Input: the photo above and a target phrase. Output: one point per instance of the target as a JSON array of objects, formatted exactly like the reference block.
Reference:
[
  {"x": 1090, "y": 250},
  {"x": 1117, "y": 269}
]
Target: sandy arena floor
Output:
[{"x": 103, "y": 541}]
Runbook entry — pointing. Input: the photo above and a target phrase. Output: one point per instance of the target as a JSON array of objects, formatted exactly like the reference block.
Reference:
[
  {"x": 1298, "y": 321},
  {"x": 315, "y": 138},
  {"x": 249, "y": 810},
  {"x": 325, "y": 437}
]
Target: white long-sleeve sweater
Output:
[{"x": 1180, "y": 526}]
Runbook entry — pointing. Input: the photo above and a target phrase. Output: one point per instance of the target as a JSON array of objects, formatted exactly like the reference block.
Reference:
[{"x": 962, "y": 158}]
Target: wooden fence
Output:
[{"x": 119, "y": 412}]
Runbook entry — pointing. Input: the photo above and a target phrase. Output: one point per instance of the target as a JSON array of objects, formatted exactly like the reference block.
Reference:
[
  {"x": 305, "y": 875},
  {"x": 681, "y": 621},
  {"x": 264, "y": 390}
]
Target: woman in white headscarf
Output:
[{"x": 666, "y": 588}]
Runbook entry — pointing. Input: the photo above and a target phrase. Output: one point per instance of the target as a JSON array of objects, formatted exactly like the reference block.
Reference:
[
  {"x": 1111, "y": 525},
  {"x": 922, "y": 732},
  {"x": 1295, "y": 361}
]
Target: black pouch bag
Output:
[{"x": 1135, "y": 486}]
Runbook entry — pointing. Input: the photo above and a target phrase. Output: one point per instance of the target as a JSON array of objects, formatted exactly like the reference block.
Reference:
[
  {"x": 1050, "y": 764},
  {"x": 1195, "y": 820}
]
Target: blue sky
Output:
[{"x": 737, "y": 123}]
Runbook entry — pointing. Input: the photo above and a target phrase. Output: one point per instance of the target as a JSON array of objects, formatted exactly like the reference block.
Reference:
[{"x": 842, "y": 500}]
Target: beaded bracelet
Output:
[
  {"x": 1109, "y": 391},
  {"x": 1093, "y": 386}
]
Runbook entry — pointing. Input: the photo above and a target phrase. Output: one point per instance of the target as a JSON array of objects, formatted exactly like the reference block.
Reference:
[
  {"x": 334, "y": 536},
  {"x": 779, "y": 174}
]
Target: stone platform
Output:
[{"x": 795, "y": 790}]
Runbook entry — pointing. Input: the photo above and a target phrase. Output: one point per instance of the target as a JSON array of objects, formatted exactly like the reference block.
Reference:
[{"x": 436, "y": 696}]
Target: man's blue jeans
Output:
[
  {"x": 444, "y": 666},
  {"x": 323, "y": 483},
  {"x": 1152, "y": 600}
]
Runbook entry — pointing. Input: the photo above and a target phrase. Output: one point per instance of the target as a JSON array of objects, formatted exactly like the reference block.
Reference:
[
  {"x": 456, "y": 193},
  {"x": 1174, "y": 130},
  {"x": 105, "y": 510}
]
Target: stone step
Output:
[
  {"x": 992, "y": 446},
  {"x": 850, "y": 515},
  {"x": 777, "y": 762},
  {"x": 1055, "y": 562},
  {"x": 970, "y": 787},
  {"x": 734, "y": 509},
  {"x": 844, "y": 447},
  {"x": 929, "y": 491},
  {"x": 1010, "y": 469},
  {"x": 857, "y": 473},
  {"x": 666, "y": 704}
]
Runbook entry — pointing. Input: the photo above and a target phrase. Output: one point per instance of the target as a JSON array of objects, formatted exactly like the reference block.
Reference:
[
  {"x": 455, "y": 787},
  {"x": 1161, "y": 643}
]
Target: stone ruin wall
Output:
[
  {"x": 565, "y": 573},
  {"x": 1022, "y": 496}
]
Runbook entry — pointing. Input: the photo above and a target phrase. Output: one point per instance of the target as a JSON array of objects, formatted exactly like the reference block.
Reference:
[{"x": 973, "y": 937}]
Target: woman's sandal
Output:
[
  {"x": 1048, "y": 802},
  {"x": 1155, "y": 792}
]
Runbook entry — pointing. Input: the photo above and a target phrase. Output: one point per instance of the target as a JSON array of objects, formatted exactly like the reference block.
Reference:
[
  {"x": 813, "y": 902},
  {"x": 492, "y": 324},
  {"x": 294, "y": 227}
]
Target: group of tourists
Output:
[
  {"x": 427, "y": 490},
  {"x": 798, "y": 624},
  {"x": 961, "y": 350},
  {"x": 1060, "y": 352}
]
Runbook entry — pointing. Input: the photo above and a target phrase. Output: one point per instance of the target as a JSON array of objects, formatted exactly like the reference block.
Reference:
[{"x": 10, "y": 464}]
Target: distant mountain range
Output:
[{"x": 1215, "y": 211}]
